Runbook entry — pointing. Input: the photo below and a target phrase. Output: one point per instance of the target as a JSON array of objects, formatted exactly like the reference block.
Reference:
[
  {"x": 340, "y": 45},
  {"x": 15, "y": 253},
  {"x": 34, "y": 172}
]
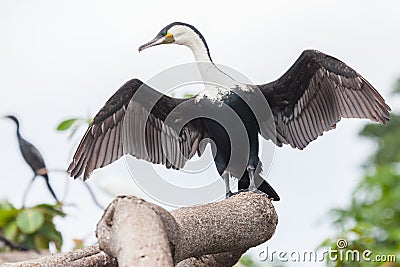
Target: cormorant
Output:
[
  {"x": 34, "y": 159},
  {"x": 310, "y": 98}
]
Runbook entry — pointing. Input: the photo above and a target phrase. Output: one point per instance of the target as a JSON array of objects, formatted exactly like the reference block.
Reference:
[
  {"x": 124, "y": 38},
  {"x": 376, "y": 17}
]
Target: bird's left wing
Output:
[
  {"x": 314, "y": 94},
  {"x": 135, "y": 121}
]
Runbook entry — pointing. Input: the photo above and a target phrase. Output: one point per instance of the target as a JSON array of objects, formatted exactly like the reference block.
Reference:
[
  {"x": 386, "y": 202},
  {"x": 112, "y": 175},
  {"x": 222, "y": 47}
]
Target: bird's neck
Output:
[
  {"x": 199, "y": 48},
  {"x": 17, "y": 130},
  {"x": 215, "y": 80}
]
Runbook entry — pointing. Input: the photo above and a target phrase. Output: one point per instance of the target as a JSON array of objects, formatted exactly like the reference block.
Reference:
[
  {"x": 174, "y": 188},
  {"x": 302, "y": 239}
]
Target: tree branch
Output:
[
  {"x": 89, "y": 256},
  {"x": 139, "y": 233},
  {"x": 155, "y": 237}
]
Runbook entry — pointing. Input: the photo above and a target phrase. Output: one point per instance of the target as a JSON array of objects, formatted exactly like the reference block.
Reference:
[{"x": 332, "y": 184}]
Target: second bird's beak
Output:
[{"x": 167, "y": 39}]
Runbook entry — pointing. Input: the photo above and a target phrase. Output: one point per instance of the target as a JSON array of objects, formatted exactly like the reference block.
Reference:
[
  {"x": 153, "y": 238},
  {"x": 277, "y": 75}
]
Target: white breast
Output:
[{"x": 213, "y": 92}]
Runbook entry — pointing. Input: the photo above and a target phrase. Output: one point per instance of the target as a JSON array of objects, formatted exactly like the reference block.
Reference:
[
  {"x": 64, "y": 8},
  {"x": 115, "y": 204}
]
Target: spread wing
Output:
[
  {"x": 134, "y": 121},
  {"x": 314, "y": 94}
]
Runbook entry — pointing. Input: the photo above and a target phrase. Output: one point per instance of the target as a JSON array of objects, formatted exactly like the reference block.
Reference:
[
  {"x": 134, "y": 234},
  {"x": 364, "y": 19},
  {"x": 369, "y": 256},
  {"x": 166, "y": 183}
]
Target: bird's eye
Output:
[{"x": 164, "y": 33}]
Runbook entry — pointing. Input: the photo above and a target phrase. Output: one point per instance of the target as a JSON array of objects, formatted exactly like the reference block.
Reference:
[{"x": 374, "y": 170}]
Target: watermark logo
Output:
[
  {"x": 341, "y": 254},
  {"x": 341, "y": 243}
]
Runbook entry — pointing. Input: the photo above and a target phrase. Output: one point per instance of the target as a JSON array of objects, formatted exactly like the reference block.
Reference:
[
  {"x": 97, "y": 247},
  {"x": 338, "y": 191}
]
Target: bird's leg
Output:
[
  {"x": 46, "y": 178},
  {"x": 225, "y": 175},
  {"x": 252, "y": 186},
  {"x": 252, "y": 176},
  {"x": 27, "y": 190}
]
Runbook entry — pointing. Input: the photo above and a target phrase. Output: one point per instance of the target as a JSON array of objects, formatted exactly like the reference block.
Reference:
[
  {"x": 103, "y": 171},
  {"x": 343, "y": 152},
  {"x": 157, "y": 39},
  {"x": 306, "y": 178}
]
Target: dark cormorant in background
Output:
[
  {"x": 34, "y": 159},
  {"x": 310, "y": 98}
]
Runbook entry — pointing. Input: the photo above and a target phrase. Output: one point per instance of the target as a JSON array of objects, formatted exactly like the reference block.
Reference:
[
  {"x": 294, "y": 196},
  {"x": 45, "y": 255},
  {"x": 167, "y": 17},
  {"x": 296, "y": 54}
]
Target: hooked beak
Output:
[
  {"x": 167, "y": 39},
  {"x": 11, "y": 117}
]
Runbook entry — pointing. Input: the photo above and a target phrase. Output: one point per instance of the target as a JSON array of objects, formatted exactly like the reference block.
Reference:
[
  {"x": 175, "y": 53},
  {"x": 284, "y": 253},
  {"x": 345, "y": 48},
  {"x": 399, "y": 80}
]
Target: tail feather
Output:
[
  {"x": 244, "y": 182},
  {"x": 267, "y": 189}
]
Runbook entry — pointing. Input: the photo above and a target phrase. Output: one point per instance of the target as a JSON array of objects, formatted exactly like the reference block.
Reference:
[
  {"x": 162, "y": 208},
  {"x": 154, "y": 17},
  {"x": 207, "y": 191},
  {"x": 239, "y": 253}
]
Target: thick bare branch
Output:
[
  {"x": 136, "y": 232},
  {"x": 89, "y": 256},
  {"x": 139, "y": 233}
]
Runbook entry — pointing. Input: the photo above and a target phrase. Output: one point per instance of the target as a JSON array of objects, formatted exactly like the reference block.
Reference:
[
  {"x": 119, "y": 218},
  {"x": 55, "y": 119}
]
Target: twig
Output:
[{"x": 11, "y": 245}]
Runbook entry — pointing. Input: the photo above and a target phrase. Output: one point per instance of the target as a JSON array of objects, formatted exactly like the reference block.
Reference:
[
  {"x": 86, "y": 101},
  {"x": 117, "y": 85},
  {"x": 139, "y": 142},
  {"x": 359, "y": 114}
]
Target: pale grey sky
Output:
[{"x": 61, "y": 59}]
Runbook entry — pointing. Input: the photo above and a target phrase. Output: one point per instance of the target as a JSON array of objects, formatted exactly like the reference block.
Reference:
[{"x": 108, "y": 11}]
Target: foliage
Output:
[
  {"x": 372, "y": 220},
  {"x": 33, "y": 227},
  {"x": 396, "y": 89},
  {"x": 248, "y": 261},
  {"x": 188, "y": 95},
  {"x": 73, "y": 124},
  {"x": 387, "y": 138}
]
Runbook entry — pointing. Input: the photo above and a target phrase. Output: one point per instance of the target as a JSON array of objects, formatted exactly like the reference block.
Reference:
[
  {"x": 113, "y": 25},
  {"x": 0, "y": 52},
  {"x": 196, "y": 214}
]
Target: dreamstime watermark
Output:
[
  {"x": 179, "y": 125},
  {"x": 332, "y": 255}
]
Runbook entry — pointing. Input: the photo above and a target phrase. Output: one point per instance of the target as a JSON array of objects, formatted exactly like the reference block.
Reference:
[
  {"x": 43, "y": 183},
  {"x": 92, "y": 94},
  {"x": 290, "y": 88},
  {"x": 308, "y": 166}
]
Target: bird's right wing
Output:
[
  {"x": 134, "y": 121},
  {"x": 314, "y": 94}
]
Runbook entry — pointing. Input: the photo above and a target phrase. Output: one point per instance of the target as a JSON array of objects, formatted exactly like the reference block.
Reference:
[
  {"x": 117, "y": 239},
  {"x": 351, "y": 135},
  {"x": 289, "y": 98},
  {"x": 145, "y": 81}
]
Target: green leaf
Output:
[
  {"x": 49, "y": 209},
  {"x": 49, "y": 232},
  {"x": 30, "y": 220},
  {"x": 7, "y": 215},
  {"x": 5, "y": 205},
  {"x": 188, "y": 95},
  {"x": 11, "y": 231},
  {"x": 41, "y": 242},
  {"x": 27, "y": 241},
  {"x": 65, "y": 125}
]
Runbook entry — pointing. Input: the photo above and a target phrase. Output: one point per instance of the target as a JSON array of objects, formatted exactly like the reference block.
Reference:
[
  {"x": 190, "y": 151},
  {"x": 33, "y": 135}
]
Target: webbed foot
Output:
[{"x": 228, "y": 194}]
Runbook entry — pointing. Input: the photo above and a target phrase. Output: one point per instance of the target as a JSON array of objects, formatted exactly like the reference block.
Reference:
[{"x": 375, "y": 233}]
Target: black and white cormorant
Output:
[
  {"x": 309, "y": 99},
  {"x": 34, "y": 159}
]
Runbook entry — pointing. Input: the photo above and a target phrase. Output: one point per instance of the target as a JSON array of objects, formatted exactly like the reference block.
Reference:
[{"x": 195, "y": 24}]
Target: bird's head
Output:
[
  {"x": 176, "y": 33},
  {"x": 13, "y": 118}
]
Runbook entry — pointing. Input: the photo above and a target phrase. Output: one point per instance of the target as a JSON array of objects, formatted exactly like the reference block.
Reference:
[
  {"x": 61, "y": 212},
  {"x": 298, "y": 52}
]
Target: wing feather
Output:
[
  {"x": 110, "y": 144},
  {"x": 314, "y": 94},
  {"x": 133, "y": 122}
]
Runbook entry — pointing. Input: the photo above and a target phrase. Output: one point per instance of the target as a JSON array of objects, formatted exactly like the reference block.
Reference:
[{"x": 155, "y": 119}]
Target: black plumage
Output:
[
  {"x": 310, "y": 98},
  {"x": 33, "y": 158},
  {"x": 315, "y": 93},
  {"x": 129, "y": 125}
]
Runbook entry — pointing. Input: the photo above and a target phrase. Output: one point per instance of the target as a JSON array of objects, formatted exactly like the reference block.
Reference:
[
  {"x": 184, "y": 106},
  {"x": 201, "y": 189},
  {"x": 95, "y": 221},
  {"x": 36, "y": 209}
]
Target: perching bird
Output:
[
  {"x": 34, "y": 159},
  {"x": 309, "y": 99}
]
